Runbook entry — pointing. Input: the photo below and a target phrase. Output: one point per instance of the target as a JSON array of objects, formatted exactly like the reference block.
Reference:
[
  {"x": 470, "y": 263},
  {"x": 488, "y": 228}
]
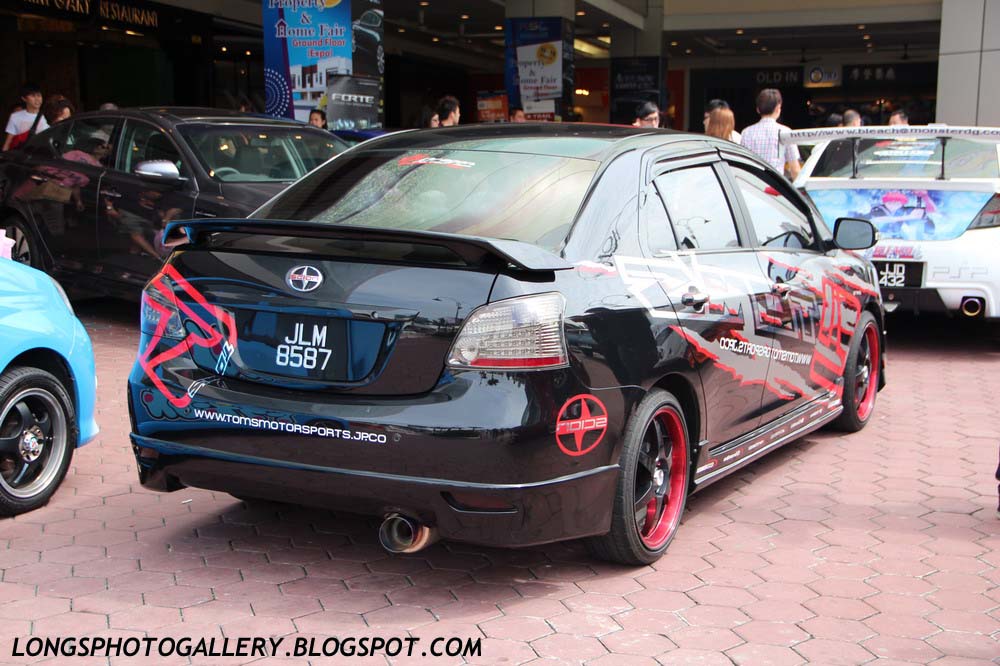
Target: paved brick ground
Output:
[{"x": 883, "y": 545}]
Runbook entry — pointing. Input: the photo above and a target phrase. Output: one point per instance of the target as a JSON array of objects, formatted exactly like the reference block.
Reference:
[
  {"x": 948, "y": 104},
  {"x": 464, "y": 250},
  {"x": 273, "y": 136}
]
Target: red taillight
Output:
[
  {"x": 523, "y": 333},
  {"x": 989, "y": 216}
]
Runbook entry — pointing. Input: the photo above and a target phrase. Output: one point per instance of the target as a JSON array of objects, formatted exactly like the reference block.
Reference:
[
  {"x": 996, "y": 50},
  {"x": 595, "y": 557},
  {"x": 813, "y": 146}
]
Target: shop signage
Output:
[
  {"x": 539, "y": 62},
  {"x": 822, "y": 76},
  {"x": 311, "y": 50},
  {"x": 634, "y": 81},
  {"x": 491, "y": 106},
  {"x": 132, "y": 14},
  {"x": 892, "y": 76}
]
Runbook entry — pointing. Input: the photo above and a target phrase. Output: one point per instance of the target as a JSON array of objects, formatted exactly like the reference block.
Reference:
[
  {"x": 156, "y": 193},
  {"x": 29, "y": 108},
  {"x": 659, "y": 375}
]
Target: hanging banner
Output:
[
  {"x": 539, "y": 63},
  {"x": 310, "y": 46}
]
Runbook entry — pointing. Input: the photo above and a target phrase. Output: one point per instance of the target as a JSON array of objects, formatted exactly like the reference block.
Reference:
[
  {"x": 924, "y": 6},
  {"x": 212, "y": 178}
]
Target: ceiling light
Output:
[
  {"x": 763, "y": 48},
  {"x": 581, "y": 13},
  {"x": 498, "y": 27},
  {"x": 866, "y": 37},
  {"x": 248, "y": 52},
  {"x": 605, "y": 25},
  {"x": 401, "y": 30},
  {"x": 582, "y": 91},
  {"x": 688, "y": 51},
  {"x": 435, "y": 39},
  {"x": 754, "y": 41},
  {"x": 861, "y": 26},
  {"x": 739, "y": 31},
  {"x": 223, "y": 49},
  {"x": 425, "y": 3},
  {"x": 674, "y": 43},
  {"x": 464, "y": 17}
]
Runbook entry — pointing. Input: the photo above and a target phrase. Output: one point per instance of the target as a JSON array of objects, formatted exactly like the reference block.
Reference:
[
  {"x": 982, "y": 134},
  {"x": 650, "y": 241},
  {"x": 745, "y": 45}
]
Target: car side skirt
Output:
[{"x": 715, "y": 463}]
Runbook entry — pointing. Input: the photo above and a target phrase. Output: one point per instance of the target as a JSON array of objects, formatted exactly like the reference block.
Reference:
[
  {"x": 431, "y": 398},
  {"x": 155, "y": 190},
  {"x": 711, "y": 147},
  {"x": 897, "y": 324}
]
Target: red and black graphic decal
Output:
[
  {"x": 581, "y": 424},
  {"x": 212, "y": 335}
]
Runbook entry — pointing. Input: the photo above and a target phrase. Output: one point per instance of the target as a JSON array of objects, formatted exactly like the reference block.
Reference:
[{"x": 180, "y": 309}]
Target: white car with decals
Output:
[{"x": 933, "y": 192}]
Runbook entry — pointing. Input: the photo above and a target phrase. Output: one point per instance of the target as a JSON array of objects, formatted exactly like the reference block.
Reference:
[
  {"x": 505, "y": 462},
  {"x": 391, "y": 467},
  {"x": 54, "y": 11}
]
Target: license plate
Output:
[
  {"x": 893, "y": 274},
  {"x": 294, "y": 345}
]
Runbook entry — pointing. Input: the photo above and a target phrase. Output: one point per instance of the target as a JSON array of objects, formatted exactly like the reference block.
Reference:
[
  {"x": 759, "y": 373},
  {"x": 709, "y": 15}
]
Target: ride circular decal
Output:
[{"x": 581, "y": 425}]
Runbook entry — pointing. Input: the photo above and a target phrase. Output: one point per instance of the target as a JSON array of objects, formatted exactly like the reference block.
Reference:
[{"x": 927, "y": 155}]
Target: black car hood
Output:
[{"x": 250, "y": 196}]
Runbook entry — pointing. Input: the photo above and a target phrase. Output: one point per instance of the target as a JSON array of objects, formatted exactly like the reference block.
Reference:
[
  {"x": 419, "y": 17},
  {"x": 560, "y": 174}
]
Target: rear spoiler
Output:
[
  {"x": 812, "y": 136},
  {"x": 474, "y": 250}
]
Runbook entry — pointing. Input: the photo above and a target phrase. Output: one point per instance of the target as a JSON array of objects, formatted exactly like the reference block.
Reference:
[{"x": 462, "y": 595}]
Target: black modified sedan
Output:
[
  {"x": 88, "y": 199},
  {"x": 506, "y": 335}
]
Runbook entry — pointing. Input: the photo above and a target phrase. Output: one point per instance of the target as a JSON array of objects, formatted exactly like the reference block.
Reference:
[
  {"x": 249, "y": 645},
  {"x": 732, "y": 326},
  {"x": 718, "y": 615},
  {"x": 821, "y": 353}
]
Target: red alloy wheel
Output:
[
  {"x": 866, "y": 374},
  {"x": 661, "y": 478}
]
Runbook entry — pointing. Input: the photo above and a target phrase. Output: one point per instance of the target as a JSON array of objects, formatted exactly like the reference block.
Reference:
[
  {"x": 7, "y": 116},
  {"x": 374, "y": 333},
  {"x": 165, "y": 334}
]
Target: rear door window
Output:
[
  {"x": 698, "y": 209},
  {"x": 517, "y": 196}
]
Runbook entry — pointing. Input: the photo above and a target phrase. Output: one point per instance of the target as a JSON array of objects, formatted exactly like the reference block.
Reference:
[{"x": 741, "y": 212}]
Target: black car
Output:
[
  {"x": 88, "y": 199},
  {"x": 506, "y": 335}
]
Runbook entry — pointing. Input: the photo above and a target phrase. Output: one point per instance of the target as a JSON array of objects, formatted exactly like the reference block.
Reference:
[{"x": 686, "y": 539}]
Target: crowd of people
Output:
[{"x": 35, "y": 113}]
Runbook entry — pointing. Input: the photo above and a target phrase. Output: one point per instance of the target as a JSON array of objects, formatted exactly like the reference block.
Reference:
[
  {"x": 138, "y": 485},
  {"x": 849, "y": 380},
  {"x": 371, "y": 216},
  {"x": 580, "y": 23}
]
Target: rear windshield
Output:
[
  {"x": 909, "y": 158},
  {"x": 530, "y": 198}
]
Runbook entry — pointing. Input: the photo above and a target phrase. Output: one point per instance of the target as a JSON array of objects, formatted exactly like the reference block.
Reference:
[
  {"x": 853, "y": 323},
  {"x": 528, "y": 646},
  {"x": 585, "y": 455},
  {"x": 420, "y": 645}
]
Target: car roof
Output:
[
  {"x": 580, "y": 140},
  {"x": 176, "y": 115}
]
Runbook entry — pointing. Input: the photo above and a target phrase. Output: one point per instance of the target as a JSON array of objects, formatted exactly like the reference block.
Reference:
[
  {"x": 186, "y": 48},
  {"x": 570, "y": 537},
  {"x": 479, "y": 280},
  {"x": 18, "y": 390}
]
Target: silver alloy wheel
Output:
[{"x": 33, "y": 441}]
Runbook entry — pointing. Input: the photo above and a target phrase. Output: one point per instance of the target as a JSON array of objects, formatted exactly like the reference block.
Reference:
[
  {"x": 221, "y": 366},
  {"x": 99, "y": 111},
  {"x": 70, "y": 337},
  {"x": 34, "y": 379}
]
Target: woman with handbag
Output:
[{"x": 25, "y": 123}]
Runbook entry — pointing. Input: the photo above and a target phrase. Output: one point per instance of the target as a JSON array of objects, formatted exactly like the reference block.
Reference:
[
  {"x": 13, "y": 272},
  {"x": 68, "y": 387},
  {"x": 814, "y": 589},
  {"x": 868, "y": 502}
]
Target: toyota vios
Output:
[{"x": 506, "y": 336}]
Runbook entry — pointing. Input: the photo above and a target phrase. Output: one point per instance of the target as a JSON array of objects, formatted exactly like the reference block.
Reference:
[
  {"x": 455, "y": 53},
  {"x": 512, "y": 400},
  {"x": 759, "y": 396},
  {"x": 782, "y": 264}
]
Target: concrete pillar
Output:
[
  {"x": 637, "y": 67},
  {"x": 556, "y": 24},
  {"x": 968, "y": 61}
]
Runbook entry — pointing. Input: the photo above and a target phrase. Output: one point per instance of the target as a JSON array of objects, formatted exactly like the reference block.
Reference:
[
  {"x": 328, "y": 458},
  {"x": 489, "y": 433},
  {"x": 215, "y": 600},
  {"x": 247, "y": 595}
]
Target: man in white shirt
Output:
[
  {"x": 764, "y": 139},
  {"x": 21, "y": 122}
]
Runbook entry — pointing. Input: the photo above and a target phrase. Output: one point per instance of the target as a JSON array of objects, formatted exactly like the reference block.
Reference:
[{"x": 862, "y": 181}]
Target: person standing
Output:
[
  {"x": 317, "y": 118},
  {"x": 517, "y": 115},
  {"x": 852, "y": 118},
  {"x": 448, "y": 111},
  {"x": 24, "y": 123},
  {"x": 57, "y": 108},
  {"x": 721, "y": 104},
  {"x": 722, "y": 124},
  {"x": 647, "y": 114},
  {"x": 764, "y": 136},
  {"x": 899, "y": 117}
]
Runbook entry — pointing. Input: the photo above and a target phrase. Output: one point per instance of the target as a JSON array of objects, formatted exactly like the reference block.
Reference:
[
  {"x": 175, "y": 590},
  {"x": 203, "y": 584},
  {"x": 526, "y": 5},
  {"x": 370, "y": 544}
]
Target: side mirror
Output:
[
  {"x": 161, "y": 170},
  {"x": 850, "y": 233}
]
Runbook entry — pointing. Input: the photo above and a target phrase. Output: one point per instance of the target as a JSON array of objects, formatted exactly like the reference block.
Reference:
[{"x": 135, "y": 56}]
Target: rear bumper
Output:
[
  {"x": 526, "y": 514},
  {"x": 478, "y": 456}
]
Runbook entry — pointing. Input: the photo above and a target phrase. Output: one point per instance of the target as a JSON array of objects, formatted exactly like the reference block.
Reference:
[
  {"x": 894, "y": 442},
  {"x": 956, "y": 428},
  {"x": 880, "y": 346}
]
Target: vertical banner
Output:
[
  {"x": 538, "y": 70},
  {"x": 324, "y": 54},
  {"x": 634, "y": 81}
]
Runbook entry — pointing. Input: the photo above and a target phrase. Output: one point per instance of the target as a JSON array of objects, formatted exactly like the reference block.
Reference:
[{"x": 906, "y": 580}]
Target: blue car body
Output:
[{"x": 36, "y": 324}]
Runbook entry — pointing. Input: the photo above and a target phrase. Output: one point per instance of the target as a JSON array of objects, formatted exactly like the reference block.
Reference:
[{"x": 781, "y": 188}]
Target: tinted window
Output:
[
  {"x": 532, "y": 198},
  {"x": 243, "y": 154},
  {"x": 775, "y": 218},
  {"x": 656, "y": 226},
  {"x": 50, "y": 143},
  {"x": 89, "y": 142},
  {"x": 143, "y": 143},
  {"x": 698, "y": 209},
  {"x": 909, "y": 158}
]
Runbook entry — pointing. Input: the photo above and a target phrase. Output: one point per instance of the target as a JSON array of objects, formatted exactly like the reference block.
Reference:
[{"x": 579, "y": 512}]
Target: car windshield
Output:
[
  {"x": 260, "y": 153},
  {"x": 531, "y": 198},
  {"x": 909, "y": 158}
]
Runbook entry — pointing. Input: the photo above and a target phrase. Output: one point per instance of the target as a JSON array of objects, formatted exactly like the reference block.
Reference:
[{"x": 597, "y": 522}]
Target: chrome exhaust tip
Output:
[
  {"x": 972, "y": 306},
  {"x": 400, "y": 534}
]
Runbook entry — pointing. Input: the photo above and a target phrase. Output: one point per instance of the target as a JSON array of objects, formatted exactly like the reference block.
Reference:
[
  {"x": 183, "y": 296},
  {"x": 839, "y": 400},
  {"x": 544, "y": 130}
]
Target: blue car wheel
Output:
[{"x": 38, "y": 430}]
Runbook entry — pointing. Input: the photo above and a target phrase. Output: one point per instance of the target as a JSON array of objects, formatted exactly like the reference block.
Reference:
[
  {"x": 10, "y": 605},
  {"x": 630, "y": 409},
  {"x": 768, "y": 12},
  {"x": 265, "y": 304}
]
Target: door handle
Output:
[
  {"x": 694, "y": 299},
  {"x": 111, "y": 194},
  {"x": 39, "y": 179},
  {"x": 781, "y": 289}
]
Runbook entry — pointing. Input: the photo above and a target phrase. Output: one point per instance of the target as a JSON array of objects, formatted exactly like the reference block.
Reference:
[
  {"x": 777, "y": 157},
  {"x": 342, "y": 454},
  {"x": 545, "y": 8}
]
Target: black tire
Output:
[
  {"x": 27, "y": 250},
  {"x": 38, "y": 432},
  {"x": 634, "y": 540},
  {"x": 864, "y": 365}
]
